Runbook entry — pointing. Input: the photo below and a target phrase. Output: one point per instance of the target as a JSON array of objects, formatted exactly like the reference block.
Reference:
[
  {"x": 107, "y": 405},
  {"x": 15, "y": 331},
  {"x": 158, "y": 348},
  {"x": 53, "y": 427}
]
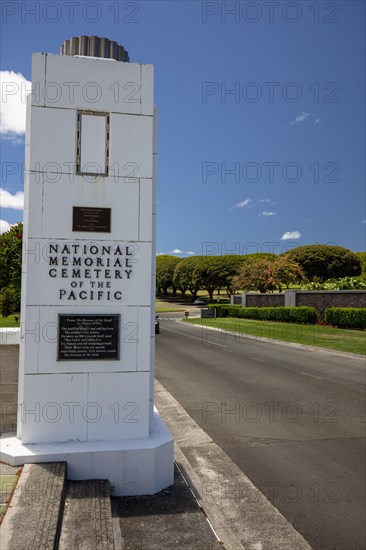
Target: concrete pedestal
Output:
[{"x": 132, "y": 466}]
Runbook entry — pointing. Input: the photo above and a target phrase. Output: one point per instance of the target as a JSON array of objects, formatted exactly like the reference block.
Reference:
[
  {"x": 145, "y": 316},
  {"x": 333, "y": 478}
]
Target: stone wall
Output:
[
  {"x": 325, "y": 299},
  {"x": 264, "y": 300}
]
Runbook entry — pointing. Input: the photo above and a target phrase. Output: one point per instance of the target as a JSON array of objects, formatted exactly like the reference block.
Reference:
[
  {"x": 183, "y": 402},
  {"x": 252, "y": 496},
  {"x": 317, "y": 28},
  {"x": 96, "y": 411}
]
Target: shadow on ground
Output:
[{"x": 172, "y": 518}]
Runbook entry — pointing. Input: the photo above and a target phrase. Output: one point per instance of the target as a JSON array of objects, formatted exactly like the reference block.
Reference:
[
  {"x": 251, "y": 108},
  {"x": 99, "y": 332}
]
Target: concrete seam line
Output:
[
  {"x": 215, "y": 518},
  {"x": 195, "y": 496}
]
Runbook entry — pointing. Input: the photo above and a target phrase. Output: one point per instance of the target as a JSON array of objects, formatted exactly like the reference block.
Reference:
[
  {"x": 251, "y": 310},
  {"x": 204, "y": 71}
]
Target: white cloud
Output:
[
  {"x": 300, "y": 118},
  {"x": 160, "y": 253},
  {"x": 264, "y": 200},
  {"x": 190, "y": 253},
  {"x": 291, "y": 235},
  {"x": 317, "y": 120},
  {"x": 308, "y": 220},
  {"x": 14, "y": 88},
  {"x": 4, "y": 226},
  {"x": 7, "y": 200},
  {"x": 13, "y": 138},
  {"x": 176, "y": 251},
  {"x": 363, "y": 221},
  {"x": 242, "y": 204},
  {"x": 267, "y": 214}
]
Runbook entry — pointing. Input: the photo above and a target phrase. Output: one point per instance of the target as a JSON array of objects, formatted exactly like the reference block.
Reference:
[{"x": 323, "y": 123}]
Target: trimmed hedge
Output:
[
  {"x": 346, "y": 317},
  {"x": 303, "y": 315}
]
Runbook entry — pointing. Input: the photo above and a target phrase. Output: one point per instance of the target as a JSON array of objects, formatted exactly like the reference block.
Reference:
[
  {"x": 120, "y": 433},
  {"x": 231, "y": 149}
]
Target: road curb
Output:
[{"x": 241, "y": 516}]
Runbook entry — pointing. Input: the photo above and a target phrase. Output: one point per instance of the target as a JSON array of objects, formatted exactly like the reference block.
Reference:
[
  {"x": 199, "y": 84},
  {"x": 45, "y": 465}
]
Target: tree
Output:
[
  {"x": 11, "y": 269},
  {"x": 326, "y": 261},
  {"x": 256, "y": 274},
  {"x": 215, "y": 272},
  {"x": 165, "y": 266},
  {"x": 210, "y": 272},
  {"x": 183, "y": 276},
  {"x": 227, "y": 267},
  {"x": 204, "y": 275},
  {"x": 287, "y": 271}
]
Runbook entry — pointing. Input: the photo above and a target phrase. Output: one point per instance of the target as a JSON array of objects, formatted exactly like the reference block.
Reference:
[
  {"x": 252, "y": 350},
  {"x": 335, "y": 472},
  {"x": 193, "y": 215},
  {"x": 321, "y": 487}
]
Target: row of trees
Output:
[
  {"x": 263, "y": 272},
  {"x": 198, "y": 272}
]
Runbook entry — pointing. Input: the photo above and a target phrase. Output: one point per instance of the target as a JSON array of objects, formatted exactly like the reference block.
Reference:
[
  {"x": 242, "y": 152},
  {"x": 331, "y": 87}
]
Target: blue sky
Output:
[{"x": 278, "y": 162}]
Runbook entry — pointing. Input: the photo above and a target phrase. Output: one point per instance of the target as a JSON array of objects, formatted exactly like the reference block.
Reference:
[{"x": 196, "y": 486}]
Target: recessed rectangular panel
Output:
[
  {"x": 93, "y": 143},
  {"x": 88, "y": 218},
  {"x": 88, "y": 337}
]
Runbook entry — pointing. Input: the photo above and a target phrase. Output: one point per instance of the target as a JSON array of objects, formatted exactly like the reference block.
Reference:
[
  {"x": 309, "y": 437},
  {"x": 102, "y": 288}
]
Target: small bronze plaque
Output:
[
  {"x": 88, "y": 218},
  {"x": 87, "y": 337}
]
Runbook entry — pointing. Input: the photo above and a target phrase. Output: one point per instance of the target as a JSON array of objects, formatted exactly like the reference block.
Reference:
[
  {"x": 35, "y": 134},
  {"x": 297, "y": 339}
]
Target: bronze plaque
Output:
[
  {"x": 87, "y": 337},
  {"x": 88, "y": 218}
]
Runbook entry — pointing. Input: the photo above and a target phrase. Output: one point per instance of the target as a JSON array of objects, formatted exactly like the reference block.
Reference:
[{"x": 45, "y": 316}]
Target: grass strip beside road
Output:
[
  {"x": 10, "y": 321},
  {"x": 163, "y": 307},
  {"x": 321, "y": 336}
]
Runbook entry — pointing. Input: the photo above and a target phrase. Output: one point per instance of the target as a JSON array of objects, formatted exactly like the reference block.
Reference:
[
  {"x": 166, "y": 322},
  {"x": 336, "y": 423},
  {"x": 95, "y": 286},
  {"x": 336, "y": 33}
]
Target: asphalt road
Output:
[{"x": 293, "y": 420}]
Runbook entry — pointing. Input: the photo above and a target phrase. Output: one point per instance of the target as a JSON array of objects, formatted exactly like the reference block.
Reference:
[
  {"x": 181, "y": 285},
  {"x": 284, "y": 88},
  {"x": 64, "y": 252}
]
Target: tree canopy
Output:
[
  {"x": 326, "y": 261},
  {"x": 165, "y": 266},
  {"x": 11, "y": 269},
  {"x": 265, "y": 274},
  {"x": 362, "y": 258},
  {"x": 183, "y": 275}
]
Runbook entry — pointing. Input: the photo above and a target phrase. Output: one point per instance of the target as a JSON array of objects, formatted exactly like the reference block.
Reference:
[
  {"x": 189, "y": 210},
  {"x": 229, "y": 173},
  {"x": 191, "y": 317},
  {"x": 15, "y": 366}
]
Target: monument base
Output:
[{"x": 132, "y": 466}]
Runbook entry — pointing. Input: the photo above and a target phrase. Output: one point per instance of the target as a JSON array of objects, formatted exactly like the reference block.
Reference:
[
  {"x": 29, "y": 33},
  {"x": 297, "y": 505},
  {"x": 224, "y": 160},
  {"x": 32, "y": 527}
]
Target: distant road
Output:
[{"x": 293, "y": 420}]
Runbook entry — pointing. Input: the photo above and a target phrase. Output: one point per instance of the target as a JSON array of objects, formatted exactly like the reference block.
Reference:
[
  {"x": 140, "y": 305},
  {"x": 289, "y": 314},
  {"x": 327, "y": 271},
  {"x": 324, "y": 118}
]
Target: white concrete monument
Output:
[{"x": 88, "y": 289}]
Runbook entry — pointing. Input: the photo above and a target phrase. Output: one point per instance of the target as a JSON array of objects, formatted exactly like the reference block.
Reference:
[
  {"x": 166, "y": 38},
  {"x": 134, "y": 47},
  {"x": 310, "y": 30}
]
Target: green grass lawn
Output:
[
  {"x": 9, "y": 322},
  {"x": 353, "y": 341},
  {"x": 163, "y": 307}
]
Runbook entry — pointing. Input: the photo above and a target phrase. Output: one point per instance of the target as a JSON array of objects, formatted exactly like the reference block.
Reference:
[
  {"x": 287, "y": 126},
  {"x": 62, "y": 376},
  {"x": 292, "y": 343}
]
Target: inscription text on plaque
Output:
[{"x": 88, "y": 337}]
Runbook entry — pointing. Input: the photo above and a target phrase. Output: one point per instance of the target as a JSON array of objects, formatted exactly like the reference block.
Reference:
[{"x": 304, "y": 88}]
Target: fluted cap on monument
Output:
[{"x": 94, "y": 46}]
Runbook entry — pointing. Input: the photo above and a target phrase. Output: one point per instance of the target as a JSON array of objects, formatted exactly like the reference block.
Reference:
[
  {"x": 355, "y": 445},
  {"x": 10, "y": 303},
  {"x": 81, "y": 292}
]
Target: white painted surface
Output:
[
  {"x": 96, "y": 84},
  {"x": 123, "y": 400},
  {"x": 131, "y": 146},
  {"x": 147, "y": 99},
  {"x": 33, "y": 202},
  {"x": 53, "y": 139},
  {"x": 132, "y": 466},
  {"x": 146, "y": 329},
  {"x": 122, "y": 450},
  {"x": 37, "y": 96},
  {"x": 45, "y": 417},
  {"x": 131, "y": 333},
  {"x": 85, "y": 407},
  {"x": 93, "y": 134},
  {"x": 155, "y": 130},
  {"x": 146, "y": 208},
  {"x": 32, "y": 338},
  {"x": 48, "y": 285},
  {"x": 122, "y": 197}
]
